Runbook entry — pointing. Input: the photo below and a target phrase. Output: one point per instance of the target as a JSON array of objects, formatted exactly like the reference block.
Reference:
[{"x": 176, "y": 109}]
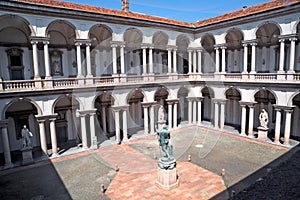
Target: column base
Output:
[
  {"x": 280, "y": 75},
  {"x": 54, "y": 155},
  {"x": 8, "y": 166}
]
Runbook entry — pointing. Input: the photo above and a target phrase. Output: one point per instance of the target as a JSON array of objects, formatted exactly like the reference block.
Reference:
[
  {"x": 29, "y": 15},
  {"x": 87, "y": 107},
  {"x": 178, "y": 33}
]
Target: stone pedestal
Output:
[
  {"x": 167, "y": 175},
  {"x": 262, "y": 133},
  {"x": 160, "y": 124},
  {"x": 26, "y": 155}
]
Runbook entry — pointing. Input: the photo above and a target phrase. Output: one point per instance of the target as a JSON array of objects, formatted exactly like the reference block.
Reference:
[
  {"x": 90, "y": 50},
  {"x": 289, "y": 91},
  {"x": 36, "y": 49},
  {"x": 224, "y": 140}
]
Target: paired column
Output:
[
  {"x": 117, "y": 112},
  {"x": 251, "y": 106},
  {"x": 292, "y": 55},
  {"x": 219, "y": 117},
  {"x": 194, "y": 110},
  {"x": 287, "y": 127},
  {"x": 172, "y": 60},
  {"x": 5, "y": 143},
  {"x": 172, "y": 112}
]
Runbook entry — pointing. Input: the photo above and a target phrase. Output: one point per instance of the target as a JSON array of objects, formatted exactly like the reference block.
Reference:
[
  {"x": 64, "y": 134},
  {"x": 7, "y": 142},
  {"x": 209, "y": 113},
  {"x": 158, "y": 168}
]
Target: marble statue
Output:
[
  {"x": 163, "y": 139},
  {"x": 263, "y": 118},
  {"x": 161, "y": 113},
  {"x": 26, "y": 135}
]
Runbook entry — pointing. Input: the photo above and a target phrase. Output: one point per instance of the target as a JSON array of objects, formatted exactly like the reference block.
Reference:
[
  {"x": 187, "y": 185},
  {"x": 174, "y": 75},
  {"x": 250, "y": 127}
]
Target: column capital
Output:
[
  {"x": 191, "y": 98},
  {"x": 87, "y": 112},
  {"x": 247, "y": 103},
  {"x": 45, "y": 117},
  {"x": 172, "y": 101},
  {"x": 293, "y": 39},
  {"x": 82, "y": 42},
  {"x": 281, "y": 40},
  {"x": 171, "y": 47},
  {"x": 249, "y": 42},
  {"x": 4, "y": 123},
  {"x": 37, "y": 39},
  {"x": 148, "y": 104},
  {"x": 119, "y": 108},
  {"x": 220, "y": 101},
  {"x": 280, "y": 107}
]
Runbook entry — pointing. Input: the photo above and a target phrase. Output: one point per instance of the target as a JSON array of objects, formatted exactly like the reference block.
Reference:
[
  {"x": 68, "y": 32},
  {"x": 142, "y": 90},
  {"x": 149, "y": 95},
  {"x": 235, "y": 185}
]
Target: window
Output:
[{"x": 15, "y": 64}]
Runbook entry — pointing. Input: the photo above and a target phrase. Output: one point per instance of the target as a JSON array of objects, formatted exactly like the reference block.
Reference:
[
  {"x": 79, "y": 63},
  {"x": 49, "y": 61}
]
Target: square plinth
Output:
[
  {"x": 262, "y": 133},
  {"x": 167, "y": 179},
  {"x": 27, "y": 156}
]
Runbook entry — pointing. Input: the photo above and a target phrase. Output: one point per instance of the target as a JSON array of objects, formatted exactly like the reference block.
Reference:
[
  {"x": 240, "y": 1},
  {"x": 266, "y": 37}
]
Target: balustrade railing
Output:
[{"x": 15, "y": 85}]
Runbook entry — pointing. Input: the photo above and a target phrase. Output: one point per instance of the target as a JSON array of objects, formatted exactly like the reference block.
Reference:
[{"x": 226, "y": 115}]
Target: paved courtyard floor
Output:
[{"x": 129, "y": 170}]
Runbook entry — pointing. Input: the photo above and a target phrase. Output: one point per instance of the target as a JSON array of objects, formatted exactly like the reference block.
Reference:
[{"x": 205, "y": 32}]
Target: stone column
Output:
[
  {"x": 152, "y": 119},
  {"x": 46, "y": 57},
  {"x": 245, "y": 58},
  {"x": 5, "y": 142},
  {"x": 151, "y": 60},
  {"x": 281, "y": 60},
  {"x": 125, "y": 129},
  {"x": 83, "y": 130},
  {"x": 174, "y": 60},
  {"x": 169, "y": 60},
  {"x": 88, "y": 60},
  {"x": 146, "y": 127},
  {"x": 79, "y": 65},
  {"x": 93, "y": 131},
  {"x": 287, "y": 128},
  {"x": 199, "y": 110},
  {"x": 223, "y": 59},
  {"x": 122, "y": 59},
  {"x": 114, "y": 54},
  {"x": 216, "y": 117},
  {"x": 104, "y": 119},
  {"x": 117, "y": 124},
  {"x": 194, "y": 61},
  {"x": 170, "y": 108},
  {"x": 243, "y": 119},
  {"x": 35, "y": 59},
  {"x": 43, "y": 136},
  {"x": 253, "y": 58},
  {"x": 175, "y": 114},
  {"x": 53, "y": 137},
  {"x": 277, "y": 125},
  {"x": 292, "y": 55},
  {"x": 190, "y": 110},
  {"x": 199, "y": 61},
  {"x": 190, "y": 60},
  {"x": 217, "y": 59},
  {"x": 194, "y": 111},
  {"x": 222, "y": 114},
  {"x": 144, "y": 60},
  {"x": 251, "y": 119}
]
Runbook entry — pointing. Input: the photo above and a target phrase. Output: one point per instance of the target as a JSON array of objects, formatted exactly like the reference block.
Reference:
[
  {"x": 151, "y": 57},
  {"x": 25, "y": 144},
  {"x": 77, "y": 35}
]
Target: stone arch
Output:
[
  {"x": 70, "y": 97},
  {"x": 101, "y": 35},
  {"x": 290, "y": 101},
  {"x": 160, "y": 40},
  {"x": 264, "y": 89},
  {"x": 233, "y": 96},
  {"x": 182, "y": 95},
  {"x": 206, "y": 104},
  {"x": 266, "y": 23},
  {"x": 296, "y": 27},
  {"x": 39, "y": 110},
  {"x": 208, "y": 54},
  {"x": 15, "y": 20},
  {"x": 182, "y": 43},
  {"x": 295, "y": 102},
  {"x": 61, "y": 27}
]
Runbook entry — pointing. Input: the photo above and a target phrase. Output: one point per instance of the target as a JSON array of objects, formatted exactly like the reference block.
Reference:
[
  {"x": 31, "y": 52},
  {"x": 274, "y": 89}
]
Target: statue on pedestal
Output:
[
  {"x": 26, "y": 135},
  {"x": 163, "y": 139},
  {"x": 263, "y": 118}
]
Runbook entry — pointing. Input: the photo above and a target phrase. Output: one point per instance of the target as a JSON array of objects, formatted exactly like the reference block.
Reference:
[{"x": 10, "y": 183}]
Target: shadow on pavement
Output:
[
  {"x": 277, "y": 180},
  {"x": 40, "y": 181}
]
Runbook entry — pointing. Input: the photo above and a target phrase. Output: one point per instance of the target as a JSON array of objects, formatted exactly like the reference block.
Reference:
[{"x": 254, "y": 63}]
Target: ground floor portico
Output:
[{"x": 85, "y": 118}]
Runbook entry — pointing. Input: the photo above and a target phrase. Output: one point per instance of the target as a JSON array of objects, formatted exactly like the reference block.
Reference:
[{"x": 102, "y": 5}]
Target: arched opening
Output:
[
  {"x": 63, "y": 61},
  {"x": 265, "y": 100},
  {"x": 134, "y": 55},
  {"x": 295, "y": 131},
  {"x": 68, "y": 130},
  {"x": 268, "y": 51},
  {"x": 101, "y": 60},
  {"x": 135, "y": 119},
  {"x": 297, "y": 53},
  {"x": 160, "y": 96},
  {"x": 105, "y": 125},
  {"x": 207, "y": 107},
  {"x": 182, "y": 43},
  {"x": 15, "y": 33},
  {"x": 183, "y": 105},
  {"x": 18, "y": 114},
  {"x": 208, "y": 54},
  {"x": 234, "y": 53},
  {"x": 233, "y": 109},
  {"x": 160, "y": 54}
]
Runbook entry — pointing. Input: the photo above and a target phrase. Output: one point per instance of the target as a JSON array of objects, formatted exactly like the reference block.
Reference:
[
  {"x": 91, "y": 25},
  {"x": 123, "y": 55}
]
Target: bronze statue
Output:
[{"x": 163, "y": 139}]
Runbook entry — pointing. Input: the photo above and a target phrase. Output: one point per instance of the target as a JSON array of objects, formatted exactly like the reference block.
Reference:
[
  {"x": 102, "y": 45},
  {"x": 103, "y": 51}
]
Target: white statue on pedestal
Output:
[
  {"x": 26, "y": 135},
  {"x": 263, "y": 118},
  {"x": 161, "y": 113}
]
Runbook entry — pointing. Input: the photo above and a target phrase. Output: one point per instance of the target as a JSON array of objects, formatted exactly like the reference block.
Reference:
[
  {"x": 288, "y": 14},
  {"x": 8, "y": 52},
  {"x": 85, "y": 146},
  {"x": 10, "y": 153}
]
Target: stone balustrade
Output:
[{"x": 17, "y": 85}]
